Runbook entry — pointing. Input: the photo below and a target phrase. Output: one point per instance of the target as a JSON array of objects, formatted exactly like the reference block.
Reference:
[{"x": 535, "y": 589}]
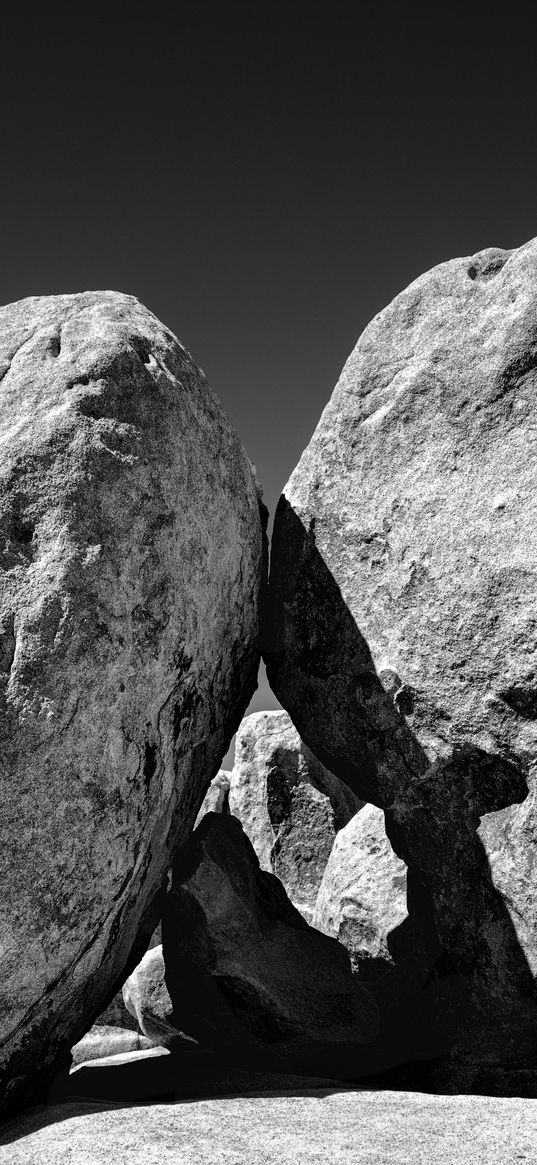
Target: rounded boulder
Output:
[{"x": 131, "y": 565}]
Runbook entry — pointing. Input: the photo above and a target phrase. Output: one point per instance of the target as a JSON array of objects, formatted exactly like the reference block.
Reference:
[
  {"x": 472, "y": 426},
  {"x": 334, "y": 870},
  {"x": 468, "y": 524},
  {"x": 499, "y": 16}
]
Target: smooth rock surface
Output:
[
  {"x": 289, "y": 805},
  {"x": 402, "y": 633},
  {"x": 131, "y": 559},
  {"x": 106, "y": 1040},
  {"x": 243, "y": 969},
  {"x": 146, "y": 997},
  {"x": 362, "y": 896},
  {"x": 376, "y": 1128}
]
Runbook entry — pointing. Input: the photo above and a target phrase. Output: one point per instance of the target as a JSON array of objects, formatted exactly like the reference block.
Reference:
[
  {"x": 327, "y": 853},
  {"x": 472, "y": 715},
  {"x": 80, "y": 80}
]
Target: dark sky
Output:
[{"x": 265, "y": 178}]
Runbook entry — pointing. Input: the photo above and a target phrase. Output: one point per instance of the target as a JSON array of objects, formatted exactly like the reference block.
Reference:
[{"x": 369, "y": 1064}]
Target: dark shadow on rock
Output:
[
  {"x": 163, "y": 1079},
  {"x": 247, "y": 976},
  {"x": 172, "y": 1080},
  {"x": 461, "y": 985}
]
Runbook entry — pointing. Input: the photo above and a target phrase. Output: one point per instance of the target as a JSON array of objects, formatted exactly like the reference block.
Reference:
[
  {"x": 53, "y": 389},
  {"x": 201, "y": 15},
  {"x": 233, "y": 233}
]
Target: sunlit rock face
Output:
[
  {"x": 289, "y": 805},
  {"x": 216, "y": 799},
  {"x": 131, "y": 557},
  {"x": 401, "y": 631},
  {"x": 362, "y": 896}
]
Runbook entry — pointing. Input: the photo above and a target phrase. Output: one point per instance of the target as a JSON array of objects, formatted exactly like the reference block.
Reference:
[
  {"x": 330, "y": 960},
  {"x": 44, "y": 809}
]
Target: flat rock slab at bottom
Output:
[{"x": 380, "y": 1128}]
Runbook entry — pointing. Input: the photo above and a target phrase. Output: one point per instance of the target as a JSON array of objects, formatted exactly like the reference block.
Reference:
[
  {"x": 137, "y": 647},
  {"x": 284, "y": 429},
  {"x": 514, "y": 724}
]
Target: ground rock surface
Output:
[
  {"x": 131, "y": 565},
  {"x": 402, "y": 635},
  {"x": 243, "y": 968},
  {"x": 289, "y": 805},
  {"x": 296, "y": 1125}
]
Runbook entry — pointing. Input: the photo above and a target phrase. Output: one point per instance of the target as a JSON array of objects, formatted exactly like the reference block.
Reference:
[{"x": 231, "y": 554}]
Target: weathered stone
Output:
[
  {"x": 243, "y": 969},
  {"x": 146, "y": 997},
  {"x": 131, "y": 564},
  {"x": 289, "y": 805},
  {"x": 362, "y": 896},
  {"x": 104, "y": 1040},
  {"x": 402, "y": 628},
  {"x": 216, "y": 797}
]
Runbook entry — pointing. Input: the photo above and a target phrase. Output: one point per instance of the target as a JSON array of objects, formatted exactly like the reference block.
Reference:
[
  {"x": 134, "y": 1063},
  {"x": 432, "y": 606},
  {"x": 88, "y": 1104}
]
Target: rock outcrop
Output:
[
  {"x": 244, "y": 971},
  {"x": 401, "y": 634},
  {"x": 362, "y": 896},
  {"x": 289, "y": 805},
  {"x": 131, "y": 556}
]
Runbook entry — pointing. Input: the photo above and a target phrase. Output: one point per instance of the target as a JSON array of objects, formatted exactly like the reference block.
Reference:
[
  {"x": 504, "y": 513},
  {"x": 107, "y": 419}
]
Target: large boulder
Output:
[
  {"x": 401, "y": 632},
  {"x": 362, "y": 896},
  {"x": 289, "y": 805},
  {"x": 244, "y": 971},
  {"x": 132, "y": 560}
]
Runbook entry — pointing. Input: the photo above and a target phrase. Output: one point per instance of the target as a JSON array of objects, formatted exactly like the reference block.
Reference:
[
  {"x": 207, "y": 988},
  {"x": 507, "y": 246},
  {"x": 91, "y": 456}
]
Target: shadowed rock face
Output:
[
  {"x": 401, "y": 629},
  {"x": 131, "y": 557},
  {"x": 244, "y": 971},
  {"x": 289, "y": 805}
]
